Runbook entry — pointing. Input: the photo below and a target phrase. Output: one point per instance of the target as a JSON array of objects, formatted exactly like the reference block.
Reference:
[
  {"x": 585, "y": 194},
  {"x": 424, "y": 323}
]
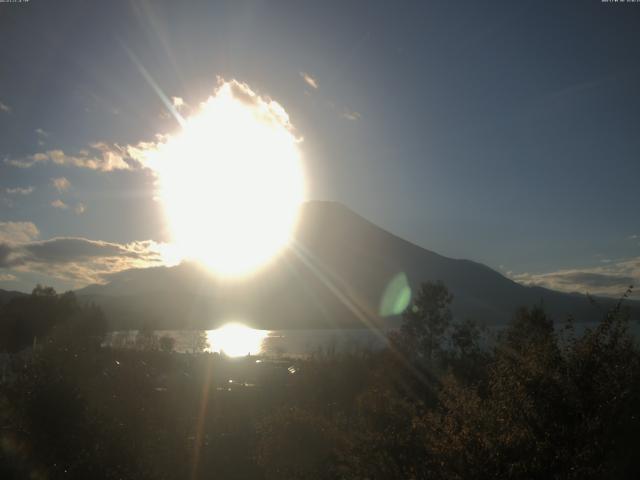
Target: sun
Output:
[{"x": 231, "y": 181}]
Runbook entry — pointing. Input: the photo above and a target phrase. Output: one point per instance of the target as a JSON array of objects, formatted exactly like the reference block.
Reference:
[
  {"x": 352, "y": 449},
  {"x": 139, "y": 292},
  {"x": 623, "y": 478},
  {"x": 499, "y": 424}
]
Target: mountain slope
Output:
[
  {"x": 6, "y": 295},
  {"x": 334, "y": 275}
]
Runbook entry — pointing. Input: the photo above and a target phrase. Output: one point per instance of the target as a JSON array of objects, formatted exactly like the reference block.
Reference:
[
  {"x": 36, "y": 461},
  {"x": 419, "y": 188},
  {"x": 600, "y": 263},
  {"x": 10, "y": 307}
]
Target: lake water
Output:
[
  {"x": 240, "y": 341},
  {"x": 291, "y": 343}
]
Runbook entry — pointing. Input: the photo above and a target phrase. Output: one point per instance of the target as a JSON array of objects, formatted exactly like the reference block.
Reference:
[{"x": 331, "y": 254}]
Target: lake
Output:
[
  {"x": 237, "y": 340},
  {"x": 291, "y": 343}
]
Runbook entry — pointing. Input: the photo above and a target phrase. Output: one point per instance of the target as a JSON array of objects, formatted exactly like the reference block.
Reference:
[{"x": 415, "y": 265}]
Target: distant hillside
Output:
[
  {"x": 333, "y": 276},
  {"x": 6, "y": 295}
]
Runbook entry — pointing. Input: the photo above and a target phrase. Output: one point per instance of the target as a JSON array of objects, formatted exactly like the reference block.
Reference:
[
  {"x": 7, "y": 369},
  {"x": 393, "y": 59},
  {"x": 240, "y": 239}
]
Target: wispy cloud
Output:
[
  {"x": 309, "y": 80},
  {"x": 5, "y": 108},
  {"x": 7, "y": 277},
  {"x": 42, "y": 136},
  {"x": 344, "y": 112},
  {"x": 178, "y": 103},
  {"x": 611, "y": 279},
  {"x": 61, "y": 184},
  {"x": 99, "y": 156},
  {"x": 348, "y": 114},
  {"x": 59, "y": 204},
  {"x": 109, "y": 157},
  {"x": 20, "y": 190},
  {"x": 18, "y": 232}
]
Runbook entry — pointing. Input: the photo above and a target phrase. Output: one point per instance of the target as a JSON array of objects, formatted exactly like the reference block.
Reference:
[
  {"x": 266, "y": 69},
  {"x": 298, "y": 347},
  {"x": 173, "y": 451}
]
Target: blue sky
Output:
[{"x": 503, "y": 132}]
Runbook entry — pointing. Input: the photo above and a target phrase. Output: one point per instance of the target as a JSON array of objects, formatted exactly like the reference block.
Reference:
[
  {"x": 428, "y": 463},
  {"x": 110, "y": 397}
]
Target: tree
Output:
[
  {"x": 467, "y": 356},
  {"x": 530, "y": 326},
  {"x": 146, "y": 339},
  {"x": 199, "y": 341},
  {"x": 549, "y": 409},
  {"x": 26, "y": 320},
  {"x": 167, "y": 343},
  {"x": 43, "y": 291},
  {"x": 427, "y": 320}
]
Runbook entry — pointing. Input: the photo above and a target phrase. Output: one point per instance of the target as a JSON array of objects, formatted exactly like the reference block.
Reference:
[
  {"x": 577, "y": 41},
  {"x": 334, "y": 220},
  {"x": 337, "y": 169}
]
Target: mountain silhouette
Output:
[
  {"x": 6, "y": 295},
  {"x": 334, "y": 275}
]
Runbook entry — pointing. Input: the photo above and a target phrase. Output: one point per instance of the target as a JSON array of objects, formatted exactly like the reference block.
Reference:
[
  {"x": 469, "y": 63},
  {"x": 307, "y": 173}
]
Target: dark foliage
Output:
[
  {"x": 25, "y": 320},
  {"x": 443, "y": 401}
]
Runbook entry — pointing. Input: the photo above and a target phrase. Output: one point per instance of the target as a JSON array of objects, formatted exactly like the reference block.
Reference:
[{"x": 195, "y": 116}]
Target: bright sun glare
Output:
[
  {"x": 231, "y": 181},
  {"x": 236, "y": 340}
]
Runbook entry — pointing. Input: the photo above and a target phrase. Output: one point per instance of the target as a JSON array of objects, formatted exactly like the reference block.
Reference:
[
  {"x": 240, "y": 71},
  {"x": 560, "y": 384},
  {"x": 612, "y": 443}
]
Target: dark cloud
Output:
[
  {"x": 73, "y": 249},
  {"x": 78, "y": 259}
]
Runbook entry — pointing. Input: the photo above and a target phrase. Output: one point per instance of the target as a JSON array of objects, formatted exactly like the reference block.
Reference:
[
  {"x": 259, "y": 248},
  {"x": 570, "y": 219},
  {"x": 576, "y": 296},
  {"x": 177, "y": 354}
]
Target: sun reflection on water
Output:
[{"x": 236, "y": 340}]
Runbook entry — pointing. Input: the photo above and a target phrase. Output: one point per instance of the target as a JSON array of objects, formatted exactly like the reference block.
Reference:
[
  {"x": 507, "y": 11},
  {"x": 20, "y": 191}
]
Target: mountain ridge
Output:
[{"x": 334, "y": 275}]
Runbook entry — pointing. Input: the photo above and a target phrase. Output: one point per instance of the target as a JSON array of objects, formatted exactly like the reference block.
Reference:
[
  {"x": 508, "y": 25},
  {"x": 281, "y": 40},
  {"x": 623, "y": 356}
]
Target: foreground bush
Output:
[{"x": 444, "y": 401}]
